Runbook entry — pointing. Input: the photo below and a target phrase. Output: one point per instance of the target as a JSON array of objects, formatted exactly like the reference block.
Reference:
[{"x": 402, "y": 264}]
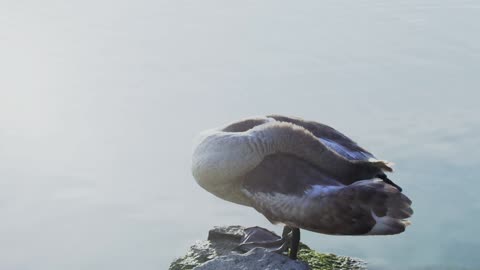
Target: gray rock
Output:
[
  {"x": 257, "y": 258},
  {"x": 200, "y": 252},
  {"x": 226, "y": 233},
  {"x": 221, "y": 251},
  {"x": 221, "y": 241}
]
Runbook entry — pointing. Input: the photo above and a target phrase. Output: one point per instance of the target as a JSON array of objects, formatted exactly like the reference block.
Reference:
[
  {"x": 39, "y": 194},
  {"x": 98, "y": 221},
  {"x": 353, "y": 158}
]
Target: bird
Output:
[{"x": 302, "y": 174}]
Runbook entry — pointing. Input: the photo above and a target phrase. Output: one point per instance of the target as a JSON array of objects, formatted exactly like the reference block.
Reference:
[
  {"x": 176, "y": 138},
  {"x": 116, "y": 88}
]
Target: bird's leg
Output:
[{"x": 294, "y": 243}]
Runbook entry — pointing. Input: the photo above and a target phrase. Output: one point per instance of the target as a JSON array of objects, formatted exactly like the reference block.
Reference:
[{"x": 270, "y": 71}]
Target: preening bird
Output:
[{"x": 302, "y": 174}]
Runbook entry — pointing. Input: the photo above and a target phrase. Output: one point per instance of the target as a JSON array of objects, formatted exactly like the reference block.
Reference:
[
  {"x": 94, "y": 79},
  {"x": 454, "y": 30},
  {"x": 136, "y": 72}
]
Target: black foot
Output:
[
  {"x": 259, "y": 237},
  {"x": 388, "y": 181}
]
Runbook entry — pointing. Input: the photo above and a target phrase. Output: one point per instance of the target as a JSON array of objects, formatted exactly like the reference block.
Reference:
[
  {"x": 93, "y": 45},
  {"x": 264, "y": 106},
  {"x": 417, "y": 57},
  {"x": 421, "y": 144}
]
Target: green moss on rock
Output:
[{"x": 326, "y": 261}]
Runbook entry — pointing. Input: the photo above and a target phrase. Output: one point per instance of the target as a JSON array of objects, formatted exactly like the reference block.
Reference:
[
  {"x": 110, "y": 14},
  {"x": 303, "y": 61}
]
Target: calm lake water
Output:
[{"x": 100, "y": 102}]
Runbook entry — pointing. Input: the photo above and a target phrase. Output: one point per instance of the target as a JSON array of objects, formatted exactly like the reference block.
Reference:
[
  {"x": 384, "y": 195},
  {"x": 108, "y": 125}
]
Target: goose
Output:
[{"x": 302, "y": 174}]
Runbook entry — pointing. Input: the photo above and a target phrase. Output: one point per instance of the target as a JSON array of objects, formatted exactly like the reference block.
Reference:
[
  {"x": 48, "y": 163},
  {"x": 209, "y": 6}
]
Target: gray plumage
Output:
[{"x": 303, "y": 174}]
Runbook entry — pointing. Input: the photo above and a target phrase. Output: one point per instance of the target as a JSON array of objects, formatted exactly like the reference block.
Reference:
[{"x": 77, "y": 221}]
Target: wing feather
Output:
[
  {"x": 289, "y": 190},
  {"x": 331, "y": 137}
]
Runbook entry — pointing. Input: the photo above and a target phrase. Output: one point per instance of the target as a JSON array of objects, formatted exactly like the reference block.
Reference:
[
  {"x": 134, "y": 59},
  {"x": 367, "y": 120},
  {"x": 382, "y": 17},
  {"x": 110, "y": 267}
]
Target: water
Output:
[{"x": 100, "y": 100}]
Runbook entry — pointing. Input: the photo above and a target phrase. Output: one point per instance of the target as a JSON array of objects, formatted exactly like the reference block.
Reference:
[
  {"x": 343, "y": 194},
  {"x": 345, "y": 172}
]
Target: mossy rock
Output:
[
  {"x": 200, "y": 252},
  {"x": 222, "y": 241},
  {"x": 326, "y": 261}
]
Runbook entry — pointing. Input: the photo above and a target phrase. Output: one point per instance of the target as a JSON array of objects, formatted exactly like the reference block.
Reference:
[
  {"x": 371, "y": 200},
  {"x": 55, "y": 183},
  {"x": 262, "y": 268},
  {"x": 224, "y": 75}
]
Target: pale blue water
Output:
[{"x": 100, "y": 100}]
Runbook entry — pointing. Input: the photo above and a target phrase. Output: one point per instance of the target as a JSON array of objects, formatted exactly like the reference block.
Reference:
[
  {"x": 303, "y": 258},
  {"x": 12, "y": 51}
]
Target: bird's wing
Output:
[
  {"x": 337, "y": 142},
  {"x": 331, "y": 137},
  {"x": 284, "y": 137},
  {"x": 290, "y": 190}
]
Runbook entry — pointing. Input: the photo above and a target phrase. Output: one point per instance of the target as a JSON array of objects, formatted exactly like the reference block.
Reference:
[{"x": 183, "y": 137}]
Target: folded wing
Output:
[
  {"x": 287, "y": 189},
  {"x": 331, "y": 137}
]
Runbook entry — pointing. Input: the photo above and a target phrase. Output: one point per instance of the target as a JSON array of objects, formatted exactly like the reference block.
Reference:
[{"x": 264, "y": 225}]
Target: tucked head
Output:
[{"x": 245, "y": 124}]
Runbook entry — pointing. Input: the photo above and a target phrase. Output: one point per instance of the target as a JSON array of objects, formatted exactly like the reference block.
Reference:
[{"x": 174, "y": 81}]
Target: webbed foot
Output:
[{"x": 260, "y": 237}]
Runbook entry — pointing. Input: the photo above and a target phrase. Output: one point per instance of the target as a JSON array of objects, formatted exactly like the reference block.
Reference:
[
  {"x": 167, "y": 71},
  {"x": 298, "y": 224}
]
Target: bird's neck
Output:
[{"x": 221, "y": 158}]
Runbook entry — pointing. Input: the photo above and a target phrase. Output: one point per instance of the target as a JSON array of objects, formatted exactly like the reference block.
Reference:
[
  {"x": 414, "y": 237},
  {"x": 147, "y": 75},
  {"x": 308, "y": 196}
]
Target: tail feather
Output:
[
  {"x": 367, "y": 207},
  {"x": 391, "y": 216},
  {"x": 383, "y": 165},
  {"x": 388, "y": 225}
]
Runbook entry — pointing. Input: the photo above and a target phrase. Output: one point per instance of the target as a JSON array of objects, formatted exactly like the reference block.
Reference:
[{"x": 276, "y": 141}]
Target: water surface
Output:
[{"x": 100, "y": 101}]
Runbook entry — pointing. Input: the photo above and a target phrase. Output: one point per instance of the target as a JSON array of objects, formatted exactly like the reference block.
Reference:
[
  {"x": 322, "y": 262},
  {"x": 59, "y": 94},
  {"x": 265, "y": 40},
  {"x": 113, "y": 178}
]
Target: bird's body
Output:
[{"x": 303, "y": 174}]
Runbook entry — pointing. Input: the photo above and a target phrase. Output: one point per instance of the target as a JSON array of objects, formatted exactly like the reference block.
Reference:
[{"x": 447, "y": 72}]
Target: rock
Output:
[
  {"x": 257, "y": 258},
  {"x": 327, "y": 261},
  {"x": 226, "y": 233},
  {"x": 221, "y": 251},
  {"x": 199, "y": 253}
]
